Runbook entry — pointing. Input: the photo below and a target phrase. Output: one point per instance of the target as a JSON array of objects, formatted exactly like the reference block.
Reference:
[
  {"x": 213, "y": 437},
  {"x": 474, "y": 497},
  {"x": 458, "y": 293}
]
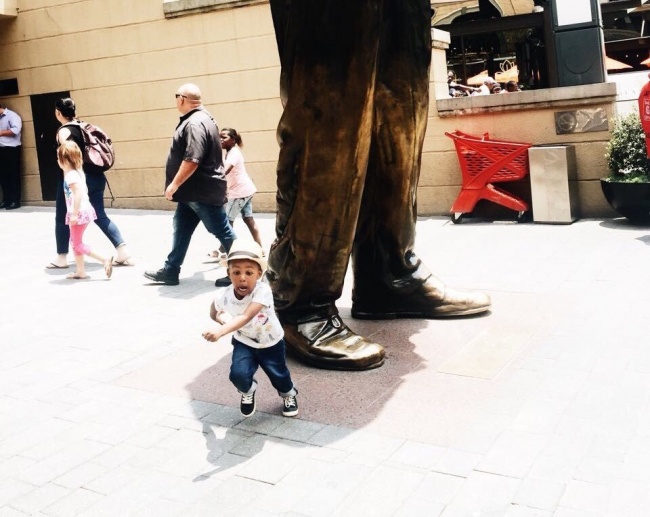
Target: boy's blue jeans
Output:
[{"x": 246, "y": 360}]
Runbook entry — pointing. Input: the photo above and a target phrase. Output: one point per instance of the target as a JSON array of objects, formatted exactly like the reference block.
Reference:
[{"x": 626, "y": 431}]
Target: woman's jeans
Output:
[
  {"x": 96, "y": 185},
  {"x": 186, "y": 218},
  {"x": 246, "y": 360}
]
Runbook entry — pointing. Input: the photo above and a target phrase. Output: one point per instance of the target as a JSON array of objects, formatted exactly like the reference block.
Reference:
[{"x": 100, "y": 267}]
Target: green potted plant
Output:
[{"x": 627, "y": 188}]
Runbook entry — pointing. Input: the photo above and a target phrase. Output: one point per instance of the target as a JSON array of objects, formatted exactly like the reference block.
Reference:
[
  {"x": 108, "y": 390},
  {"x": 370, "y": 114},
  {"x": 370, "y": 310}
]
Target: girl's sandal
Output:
[{"x": 108, "y": 267}]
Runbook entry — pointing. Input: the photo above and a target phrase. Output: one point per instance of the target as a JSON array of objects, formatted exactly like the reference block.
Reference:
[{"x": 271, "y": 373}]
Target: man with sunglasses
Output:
[{"x": 195, "y": 180}]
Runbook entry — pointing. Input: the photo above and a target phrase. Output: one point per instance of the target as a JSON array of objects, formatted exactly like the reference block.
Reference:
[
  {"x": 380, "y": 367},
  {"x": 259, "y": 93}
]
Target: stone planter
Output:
[{"x": 631, "y": 200}]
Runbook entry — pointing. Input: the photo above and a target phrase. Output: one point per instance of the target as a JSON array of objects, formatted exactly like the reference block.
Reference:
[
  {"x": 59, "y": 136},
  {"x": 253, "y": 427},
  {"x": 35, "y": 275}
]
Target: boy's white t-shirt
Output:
[{"x": 264, "y": 330}]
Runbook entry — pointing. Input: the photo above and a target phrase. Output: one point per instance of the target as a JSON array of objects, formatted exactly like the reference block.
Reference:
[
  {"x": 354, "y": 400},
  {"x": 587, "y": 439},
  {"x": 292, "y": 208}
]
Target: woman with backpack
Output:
[{"x": 65, "y": 112}]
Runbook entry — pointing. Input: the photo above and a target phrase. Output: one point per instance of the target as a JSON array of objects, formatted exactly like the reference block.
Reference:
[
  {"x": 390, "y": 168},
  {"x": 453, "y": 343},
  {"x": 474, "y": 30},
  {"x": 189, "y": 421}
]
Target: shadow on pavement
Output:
[{"x": 332, "y": 403}]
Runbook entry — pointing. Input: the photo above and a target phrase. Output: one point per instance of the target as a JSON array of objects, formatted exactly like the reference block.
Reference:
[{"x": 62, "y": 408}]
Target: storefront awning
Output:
[{"x": 613, "y": 64}]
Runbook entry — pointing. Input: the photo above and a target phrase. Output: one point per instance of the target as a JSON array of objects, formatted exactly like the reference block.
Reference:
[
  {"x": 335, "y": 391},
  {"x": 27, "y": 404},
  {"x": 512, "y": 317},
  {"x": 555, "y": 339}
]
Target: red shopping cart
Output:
[{"x": 484, "y": 161}]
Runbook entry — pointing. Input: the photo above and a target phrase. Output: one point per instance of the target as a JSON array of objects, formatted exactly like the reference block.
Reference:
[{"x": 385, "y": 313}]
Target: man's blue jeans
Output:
[
  {"x": 96, "y": 185},
  {"x": 186, "y": 219},
  {"x": 246, "y": 360}
]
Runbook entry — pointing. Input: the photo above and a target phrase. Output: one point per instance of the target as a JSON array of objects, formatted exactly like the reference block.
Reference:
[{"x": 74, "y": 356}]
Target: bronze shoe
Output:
[
  {"x": 432, "y": 299},
  {"x": 330, "y": 344}
]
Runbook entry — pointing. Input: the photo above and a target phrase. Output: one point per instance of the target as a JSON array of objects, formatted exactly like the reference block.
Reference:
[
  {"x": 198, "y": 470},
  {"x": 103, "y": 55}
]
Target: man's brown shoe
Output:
[
  {"x": 433, "y": 299},
  {"x": 330, "y": 344}
]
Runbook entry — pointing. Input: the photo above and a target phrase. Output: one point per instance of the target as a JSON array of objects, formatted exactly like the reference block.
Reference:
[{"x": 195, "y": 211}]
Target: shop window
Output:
[
  {"x": 626, "y": 28},
  {"x": 508, "y": 49},
  {"x": 483, "y": 42},
  {"x": 508, "y": 55}
]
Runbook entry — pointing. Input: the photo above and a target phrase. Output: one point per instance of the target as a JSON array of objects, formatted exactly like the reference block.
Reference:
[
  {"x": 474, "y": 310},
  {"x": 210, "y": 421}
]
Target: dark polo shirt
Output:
[{"x": 197, "y": 140}]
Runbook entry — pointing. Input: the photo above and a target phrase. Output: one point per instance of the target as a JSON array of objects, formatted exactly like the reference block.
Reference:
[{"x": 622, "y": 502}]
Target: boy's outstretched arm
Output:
[
  {"x": 236, "y": 323},
  {"x": 215, "y": 314},
  {"x": 221, "y": 317}
]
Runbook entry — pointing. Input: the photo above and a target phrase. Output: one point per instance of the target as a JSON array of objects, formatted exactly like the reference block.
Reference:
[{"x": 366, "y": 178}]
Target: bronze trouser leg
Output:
[
  {"x": 328, "y": 50},
  {"x": 383, "y": 259}
]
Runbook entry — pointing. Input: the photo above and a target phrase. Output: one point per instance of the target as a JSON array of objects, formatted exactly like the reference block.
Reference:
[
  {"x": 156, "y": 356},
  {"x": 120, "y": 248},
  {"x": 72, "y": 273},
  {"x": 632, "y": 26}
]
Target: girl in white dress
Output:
[{"x": 79, "y": 210}]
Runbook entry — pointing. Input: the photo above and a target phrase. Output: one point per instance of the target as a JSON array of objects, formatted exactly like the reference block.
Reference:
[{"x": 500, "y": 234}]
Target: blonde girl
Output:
[{"x": 79, "y": 210}]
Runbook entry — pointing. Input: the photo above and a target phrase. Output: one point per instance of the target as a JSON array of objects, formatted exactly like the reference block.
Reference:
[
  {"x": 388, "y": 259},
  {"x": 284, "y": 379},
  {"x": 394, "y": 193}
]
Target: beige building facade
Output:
[{"x": 122, "y": 61}]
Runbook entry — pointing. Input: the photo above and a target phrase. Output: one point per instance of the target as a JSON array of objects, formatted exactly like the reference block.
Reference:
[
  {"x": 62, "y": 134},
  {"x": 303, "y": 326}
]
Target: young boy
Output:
[{"x": 246, "y": 308}]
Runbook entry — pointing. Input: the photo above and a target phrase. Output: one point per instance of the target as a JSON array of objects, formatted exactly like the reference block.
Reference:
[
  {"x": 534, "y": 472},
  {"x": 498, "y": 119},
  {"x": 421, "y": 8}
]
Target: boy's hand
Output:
[
  {"x": 223, "y": 317},
  {"x": 212, "y": 335}
]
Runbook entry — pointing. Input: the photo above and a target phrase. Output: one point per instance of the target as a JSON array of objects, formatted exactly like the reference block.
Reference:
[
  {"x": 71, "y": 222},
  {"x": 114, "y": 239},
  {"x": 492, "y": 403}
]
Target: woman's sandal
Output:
[
  {"x": 54, "y": 265},
  {"x": 75, "y": 276},
  {"x": 108, "y": 267},
  {"x": 124, "y": 263}
]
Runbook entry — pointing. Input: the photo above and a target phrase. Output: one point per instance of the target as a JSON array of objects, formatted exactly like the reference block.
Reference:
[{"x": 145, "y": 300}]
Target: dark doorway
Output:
[{"x": 45, "y": 126}]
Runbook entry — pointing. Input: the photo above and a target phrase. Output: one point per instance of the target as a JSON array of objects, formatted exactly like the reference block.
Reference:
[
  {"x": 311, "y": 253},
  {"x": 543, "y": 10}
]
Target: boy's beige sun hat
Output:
[{"x": 244, "y": 249}]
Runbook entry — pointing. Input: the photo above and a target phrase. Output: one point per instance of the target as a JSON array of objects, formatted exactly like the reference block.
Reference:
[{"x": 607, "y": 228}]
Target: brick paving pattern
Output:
[{"x": 112, "y": 405}]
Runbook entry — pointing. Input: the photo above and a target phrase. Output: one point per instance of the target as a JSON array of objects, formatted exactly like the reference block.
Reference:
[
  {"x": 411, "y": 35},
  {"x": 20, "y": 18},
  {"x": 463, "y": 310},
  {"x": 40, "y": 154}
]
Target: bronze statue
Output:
[{"x": 355, "y": 91}]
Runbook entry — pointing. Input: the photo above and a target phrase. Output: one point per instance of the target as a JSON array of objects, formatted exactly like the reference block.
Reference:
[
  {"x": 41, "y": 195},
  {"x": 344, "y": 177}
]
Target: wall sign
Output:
[{"x": 581, "y": 121}]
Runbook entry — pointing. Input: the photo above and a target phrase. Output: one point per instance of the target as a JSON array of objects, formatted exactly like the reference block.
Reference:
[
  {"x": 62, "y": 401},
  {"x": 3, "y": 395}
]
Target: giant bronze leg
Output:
[
  {"x": 328, "y": 53},
  {"x": 389, "y": 279}
]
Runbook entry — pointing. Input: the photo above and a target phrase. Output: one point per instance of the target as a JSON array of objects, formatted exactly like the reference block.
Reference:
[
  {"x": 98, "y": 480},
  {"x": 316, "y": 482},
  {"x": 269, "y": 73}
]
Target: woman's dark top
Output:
[{"x": 77, "y": 137}]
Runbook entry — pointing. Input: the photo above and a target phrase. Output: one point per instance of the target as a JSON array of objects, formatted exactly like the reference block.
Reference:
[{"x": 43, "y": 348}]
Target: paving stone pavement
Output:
[{"x": 111, "y": 404}]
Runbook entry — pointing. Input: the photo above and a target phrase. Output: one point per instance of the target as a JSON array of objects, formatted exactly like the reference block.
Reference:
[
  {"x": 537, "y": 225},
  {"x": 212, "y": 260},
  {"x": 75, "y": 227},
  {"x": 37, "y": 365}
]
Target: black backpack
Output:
[{"x": 98, "y": 150}]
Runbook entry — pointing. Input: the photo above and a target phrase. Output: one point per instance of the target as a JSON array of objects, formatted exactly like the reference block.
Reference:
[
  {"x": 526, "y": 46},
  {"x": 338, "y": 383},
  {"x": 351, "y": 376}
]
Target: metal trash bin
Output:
[{"x": 553, "y": 183}]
